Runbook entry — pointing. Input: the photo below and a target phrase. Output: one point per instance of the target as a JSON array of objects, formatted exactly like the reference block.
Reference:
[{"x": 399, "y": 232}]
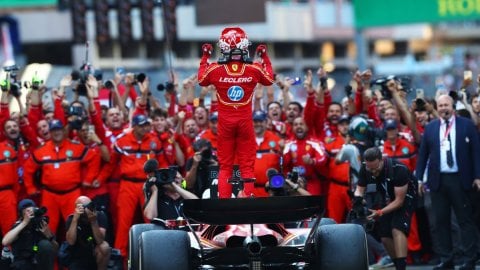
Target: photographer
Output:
[
  {"x": 292, "y": 185},
  {"x": 198, "y": 167},
  {"x": 164, "y": 197},
  {"x": 33, "y": 243},
  {"x": 85, "y": 236},
  {"x": 385, "y": 194}
]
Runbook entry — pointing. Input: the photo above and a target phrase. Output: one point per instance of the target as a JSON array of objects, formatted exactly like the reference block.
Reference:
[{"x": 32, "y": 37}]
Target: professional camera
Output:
[
  {"x": 168, "y": 86},
  {"x": 39, "y": 216},
  {"x": 358, "y": 214},
  {"x": 82, "y": 74},
  {"x": 363, "y": 130},
  {"x": 139, "y": 78},
  {"x": 36, "y": 82},
  {"x": 293, "y": 175},
  {"x": 80, "y": 116},
  {"x": 457, "y": 95},
  {"x": 382, "y": 84},
  {"x": 10, "y": 83},
  {"x": 162, "y": 176},
  {"x": 420, "y": 104},
  {"x": 92, "y": 206},
  {"x": 108, "y": 84},
  {"x": 277, "y": 181},
  {"x": 206, "y": 154},
  {"x": 82, "y": 77}
]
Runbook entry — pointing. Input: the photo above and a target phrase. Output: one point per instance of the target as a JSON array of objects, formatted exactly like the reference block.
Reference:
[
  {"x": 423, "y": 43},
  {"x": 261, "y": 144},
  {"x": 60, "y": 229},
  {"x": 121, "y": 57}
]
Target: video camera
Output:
[
  {"x": 277, "y": 181},
  {"x": 11, "y": 83},
  {"x": 382, "y": 84},
  {"x": 82, "y": 74},
  {"x": 39, "y": 216}
]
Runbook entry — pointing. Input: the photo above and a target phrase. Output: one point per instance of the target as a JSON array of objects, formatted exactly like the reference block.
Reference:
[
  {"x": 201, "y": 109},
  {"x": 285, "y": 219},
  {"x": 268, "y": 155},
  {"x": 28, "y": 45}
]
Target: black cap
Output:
[
  {"x": 25, "y": 203},
  {"x": 55, "y": 124},
  {"x": 214, "y": 116},
  {"x": 390, "y": 124},
  {"x": 259, "y": 116},
  {"x": 139, "y": 120},
  {"x": 344, "y": 118}
]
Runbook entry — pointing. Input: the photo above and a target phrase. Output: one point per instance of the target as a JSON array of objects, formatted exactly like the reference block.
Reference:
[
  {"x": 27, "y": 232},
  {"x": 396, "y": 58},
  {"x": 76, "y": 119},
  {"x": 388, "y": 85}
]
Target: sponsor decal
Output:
[{"x": 235, "y": 93}]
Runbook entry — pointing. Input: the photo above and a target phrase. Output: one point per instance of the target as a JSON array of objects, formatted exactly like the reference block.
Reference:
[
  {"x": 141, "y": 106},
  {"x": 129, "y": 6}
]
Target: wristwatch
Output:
[
  {"x": 295, "y": 187},
  {"x": 51, "y": 238}
]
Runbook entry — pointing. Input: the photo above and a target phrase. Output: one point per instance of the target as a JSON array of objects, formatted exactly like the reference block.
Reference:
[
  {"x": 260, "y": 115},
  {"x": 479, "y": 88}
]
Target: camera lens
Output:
[
  {"x": 75, "y": 75},
  {"x": 108, "y": 84},
  {"x": 140, "y": 77},
  {"x": 160, "y": 87}
]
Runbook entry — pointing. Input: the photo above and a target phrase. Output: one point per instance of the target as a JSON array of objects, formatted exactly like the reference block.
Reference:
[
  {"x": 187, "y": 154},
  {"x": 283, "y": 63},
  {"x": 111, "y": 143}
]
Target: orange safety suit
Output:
[
  {"x": 338, "y": 200},
  {"x": 128, "y": 157},
  {"x": 8, "y": 183},
  {"x": 267, "y": 157},
  {"x": 61, "y": 176}
]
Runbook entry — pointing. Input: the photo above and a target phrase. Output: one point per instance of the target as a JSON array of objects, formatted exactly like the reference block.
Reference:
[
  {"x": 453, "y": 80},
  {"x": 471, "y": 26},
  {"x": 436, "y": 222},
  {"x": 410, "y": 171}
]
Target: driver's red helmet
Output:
[{"x": 232, "y": 38}]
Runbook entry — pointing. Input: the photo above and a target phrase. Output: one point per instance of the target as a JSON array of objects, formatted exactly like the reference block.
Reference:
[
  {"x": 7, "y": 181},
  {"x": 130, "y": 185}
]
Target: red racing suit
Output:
[
  {"x": 235, "y": 82},
  {"x": 293, "y": 157}
]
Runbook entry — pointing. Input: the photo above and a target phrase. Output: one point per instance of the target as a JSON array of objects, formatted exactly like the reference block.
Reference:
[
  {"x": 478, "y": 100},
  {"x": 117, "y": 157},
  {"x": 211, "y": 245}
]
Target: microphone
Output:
[{"x": 150, "y": 166}]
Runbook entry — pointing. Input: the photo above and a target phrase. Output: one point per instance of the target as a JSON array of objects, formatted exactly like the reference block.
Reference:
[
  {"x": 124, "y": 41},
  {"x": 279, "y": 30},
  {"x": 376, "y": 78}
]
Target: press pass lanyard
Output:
[{"x": 447, "y": 130}]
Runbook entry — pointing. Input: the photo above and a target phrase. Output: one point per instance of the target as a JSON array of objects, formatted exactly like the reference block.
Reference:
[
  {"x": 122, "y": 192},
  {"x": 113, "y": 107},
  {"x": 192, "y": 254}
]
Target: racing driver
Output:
[{"x": 235, "y": 76}]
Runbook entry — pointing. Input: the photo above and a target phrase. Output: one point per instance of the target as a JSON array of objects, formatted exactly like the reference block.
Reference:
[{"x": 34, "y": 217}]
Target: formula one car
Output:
[{"x": 249, "y": 233}]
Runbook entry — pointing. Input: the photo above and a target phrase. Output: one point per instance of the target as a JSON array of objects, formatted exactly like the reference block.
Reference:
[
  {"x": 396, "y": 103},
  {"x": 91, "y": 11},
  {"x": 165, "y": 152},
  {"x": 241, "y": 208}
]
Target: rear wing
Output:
[{"x": 253, "y": 210}]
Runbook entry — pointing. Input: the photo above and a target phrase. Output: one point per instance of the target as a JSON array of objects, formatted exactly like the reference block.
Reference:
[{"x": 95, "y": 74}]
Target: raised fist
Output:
[
  {"x": 261, "y": 50},
  {"x": 207, "y": 49}
]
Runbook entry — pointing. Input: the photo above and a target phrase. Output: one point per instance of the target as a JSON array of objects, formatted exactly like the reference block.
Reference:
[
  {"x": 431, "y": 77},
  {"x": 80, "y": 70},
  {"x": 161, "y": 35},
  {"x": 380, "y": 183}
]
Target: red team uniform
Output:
[
  {"x": 292, "y": 157},
  {"x": 235, "y": 80}
]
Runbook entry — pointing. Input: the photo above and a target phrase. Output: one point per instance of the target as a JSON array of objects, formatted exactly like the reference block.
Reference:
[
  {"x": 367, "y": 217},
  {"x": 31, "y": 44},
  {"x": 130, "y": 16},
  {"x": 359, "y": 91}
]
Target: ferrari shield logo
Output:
[{"x": 235, "y": 67}]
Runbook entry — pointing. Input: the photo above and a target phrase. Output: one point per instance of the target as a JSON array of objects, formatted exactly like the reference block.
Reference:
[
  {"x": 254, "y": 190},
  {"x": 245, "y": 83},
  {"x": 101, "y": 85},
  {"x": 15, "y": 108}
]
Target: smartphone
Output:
[
  {"x": 91, "y": 129},
  {"x": 296, "y": 81},
  {"x": 467, "y": 75},
  {"x": 120, "y": 70},
  {"x": 420, "y": 93}
]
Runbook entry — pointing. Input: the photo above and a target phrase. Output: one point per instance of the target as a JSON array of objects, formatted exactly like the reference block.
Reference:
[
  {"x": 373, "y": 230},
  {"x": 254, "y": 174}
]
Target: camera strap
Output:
[{"x": 388, "y": 164}]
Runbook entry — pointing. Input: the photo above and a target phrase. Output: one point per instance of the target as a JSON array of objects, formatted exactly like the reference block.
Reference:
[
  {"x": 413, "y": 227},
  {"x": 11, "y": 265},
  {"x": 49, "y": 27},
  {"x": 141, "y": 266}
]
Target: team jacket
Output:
[
  {"x": 167, "y": 139},
  {"x": 60, "y": 165},
  {"x": 235, "y": 83},
  {"x": 8, "y": 166},
  {"x": 337, "y": 173},
  {"x": 294, "y": 151},
  {"x": 130, "y": 155},
  {"x": 402, "y": 151},
  {"x": 209, "y": 136}
]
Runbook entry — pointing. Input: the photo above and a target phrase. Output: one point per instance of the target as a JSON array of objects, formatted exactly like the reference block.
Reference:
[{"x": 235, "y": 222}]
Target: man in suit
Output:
[{"x": 450, "y": 151}]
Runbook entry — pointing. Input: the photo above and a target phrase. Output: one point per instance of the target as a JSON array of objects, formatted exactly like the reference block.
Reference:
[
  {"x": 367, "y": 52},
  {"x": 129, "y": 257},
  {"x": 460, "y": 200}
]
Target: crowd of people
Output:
[{"x": 94, "y": 148}]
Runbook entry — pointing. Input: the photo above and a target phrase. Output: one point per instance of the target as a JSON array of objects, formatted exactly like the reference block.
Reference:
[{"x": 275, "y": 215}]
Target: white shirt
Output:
[{"x": 445, "y": 145}]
